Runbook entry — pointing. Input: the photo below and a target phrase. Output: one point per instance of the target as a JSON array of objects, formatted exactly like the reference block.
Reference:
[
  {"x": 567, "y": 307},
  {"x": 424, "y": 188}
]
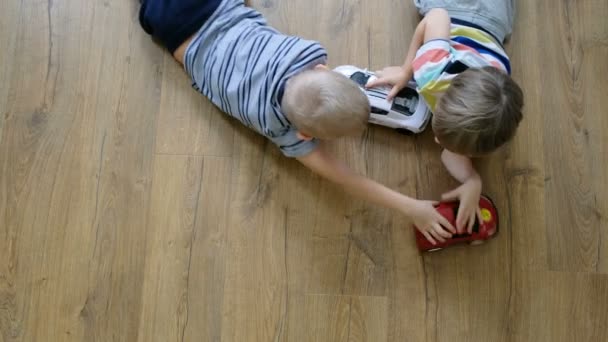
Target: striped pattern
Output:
[
  {"x": 241, "y": 64},
  {"x": 469, "y": 46}
]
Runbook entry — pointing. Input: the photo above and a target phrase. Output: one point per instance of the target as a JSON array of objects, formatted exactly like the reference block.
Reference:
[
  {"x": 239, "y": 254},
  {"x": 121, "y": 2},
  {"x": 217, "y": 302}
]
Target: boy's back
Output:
[
  {"x": 477, "y": 31},
  {"x": 494, "y": 16},
  {"x": 438, "y": 61},
  {"x": 241, "y": 64}
]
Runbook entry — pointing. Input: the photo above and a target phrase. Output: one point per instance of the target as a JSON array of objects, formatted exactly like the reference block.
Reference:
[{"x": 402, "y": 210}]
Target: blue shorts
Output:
[{"x": 172, "y": 22}]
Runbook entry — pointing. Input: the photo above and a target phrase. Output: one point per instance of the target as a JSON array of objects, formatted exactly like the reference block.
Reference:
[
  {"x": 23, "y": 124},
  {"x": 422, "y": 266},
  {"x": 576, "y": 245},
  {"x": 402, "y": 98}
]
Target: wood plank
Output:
[
  {"x": 575, "y": 214},
  {"x": 176, "y": 188},
  {"x": 337, "y": 318},
  {"x": 32, "y": 66},
  {"x": 407, "y": 287},
  {"x": 111, "y": 308},
  {"x": 207, "y": 262},
  {"x": 559, "y": 306},
  {"x": 46, "y": 182},
  {"x": 523, "y": 198},
  {"x": 184, "y": 274},
  {"x": 466, "y": 301},
  {"x": 10, "y": 12},
  {"x": 257, "y": 278},
  {"x": 75, "y": 155},
  {"x": 189, "y": 123},
  {"x": 594, "y": 41}
]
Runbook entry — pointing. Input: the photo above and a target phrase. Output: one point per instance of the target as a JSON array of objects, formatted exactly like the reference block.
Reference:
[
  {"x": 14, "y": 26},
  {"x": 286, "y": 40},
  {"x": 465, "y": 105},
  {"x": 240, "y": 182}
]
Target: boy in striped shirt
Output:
[
  {"x": 461, "y": 69},
  {"x": 277, "y": 85}
]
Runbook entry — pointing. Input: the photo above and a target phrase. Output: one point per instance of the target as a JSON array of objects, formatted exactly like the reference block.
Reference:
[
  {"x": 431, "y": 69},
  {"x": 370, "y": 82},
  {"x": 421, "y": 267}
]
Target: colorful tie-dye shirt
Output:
[{"x": 438, "y": 61}]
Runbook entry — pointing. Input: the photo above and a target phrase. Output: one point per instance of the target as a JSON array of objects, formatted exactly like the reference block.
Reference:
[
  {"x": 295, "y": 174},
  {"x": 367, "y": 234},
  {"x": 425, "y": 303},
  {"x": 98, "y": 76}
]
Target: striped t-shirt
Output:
[
  {"x": 438, "y": 61},
  {"x": 241, "y": 64}
]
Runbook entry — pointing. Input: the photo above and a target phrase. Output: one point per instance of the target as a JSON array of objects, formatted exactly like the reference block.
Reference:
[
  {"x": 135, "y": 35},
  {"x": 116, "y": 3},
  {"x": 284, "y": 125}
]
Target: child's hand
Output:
[
  {"x": 430, "y": 222},
  {"x": 392, "y": 76},
  {"x": 468, "y": 194}
]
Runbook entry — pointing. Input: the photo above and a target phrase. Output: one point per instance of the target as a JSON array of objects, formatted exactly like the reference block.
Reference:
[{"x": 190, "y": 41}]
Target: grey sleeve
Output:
[{"x": 292, "y": 146}]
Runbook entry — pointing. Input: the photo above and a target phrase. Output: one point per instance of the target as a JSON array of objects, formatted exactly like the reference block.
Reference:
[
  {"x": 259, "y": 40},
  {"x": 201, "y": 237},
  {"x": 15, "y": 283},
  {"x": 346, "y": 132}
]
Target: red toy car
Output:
[{"x": 481, "y": 230}]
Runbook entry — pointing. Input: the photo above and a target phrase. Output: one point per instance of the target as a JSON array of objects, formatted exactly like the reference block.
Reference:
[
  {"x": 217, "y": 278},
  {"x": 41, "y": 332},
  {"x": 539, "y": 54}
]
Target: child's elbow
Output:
[{"x": 438, "y": 12}]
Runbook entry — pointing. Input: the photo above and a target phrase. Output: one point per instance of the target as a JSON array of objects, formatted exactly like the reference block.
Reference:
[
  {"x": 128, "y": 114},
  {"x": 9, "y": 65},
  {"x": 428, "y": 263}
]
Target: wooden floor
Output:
[{"x": 132, "y": 210}]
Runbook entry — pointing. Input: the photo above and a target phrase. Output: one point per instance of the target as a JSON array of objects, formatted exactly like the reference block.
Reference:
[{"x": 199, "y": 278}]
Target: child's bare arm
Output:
[
  {"x": 435, "y": 25},
  {"x": 461, "y": 168},
  {"x": 424, "y": 215}
]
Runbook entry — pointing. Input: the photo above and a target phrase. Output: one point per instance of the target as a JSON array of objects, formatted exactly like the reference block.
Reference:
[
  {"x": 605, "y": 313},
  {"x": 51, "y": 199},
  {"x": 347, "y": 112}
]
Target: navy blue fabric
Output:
[
  {"x": 482, "y": 49},
  {"x": 469, "y": 24},
  {"x": 172, "y": 22}
]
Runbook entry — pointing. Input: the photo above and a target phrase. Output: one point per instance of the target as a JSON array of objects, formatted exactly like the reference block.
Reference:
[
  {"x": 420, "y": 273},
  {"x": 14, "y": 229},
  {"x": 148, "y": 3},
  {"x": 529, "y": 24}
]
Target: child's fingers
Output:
[
  {"x": 471, "y": 222},
  {"x": 451, "y": 195},
  {"x": 441, "y": 232},
  {"x": 429, "y": 238},
  {"x": 479, "y": 217},
  {"x": 377, "y": 82},
  {"x": 436, "y": 235},
  {"x": 393, "y": 92},
  {"x": 446, "y": 224},
  {"x": 461, "y": 221}
]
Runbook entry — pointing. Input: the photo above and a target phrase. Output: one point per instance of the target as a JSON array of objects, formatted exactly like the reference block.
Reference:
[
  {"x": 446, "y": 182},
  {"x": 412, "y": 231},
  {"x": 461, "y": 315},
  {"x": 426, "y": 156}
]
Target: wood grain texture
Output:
[
  {"x": 185, "y": 249},
  {"x": 577, "y": 133},
  {"x": 188, "y": 123},
  {"x": 338, "y": 318},
  {"x": 176, "y": 188},
  {"x": 131, "y": 209},
  {"x": 76, "y": 173}
]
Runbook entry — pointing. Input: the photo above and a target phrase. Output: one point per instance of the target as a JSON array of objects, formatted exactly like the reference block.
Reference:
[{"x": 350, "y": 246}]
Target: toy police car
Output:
[{"x": 407, "y": 112}]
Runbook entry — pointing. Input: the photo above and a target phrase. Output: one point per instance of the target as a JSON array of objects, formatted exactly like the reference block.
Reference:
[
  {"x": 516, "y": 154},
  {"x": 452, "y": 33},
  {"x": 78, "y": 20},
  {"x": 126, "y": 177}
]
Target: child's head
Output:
[
  {"x": 479, "y": 112},
  {"x": 325, "y": 104}
]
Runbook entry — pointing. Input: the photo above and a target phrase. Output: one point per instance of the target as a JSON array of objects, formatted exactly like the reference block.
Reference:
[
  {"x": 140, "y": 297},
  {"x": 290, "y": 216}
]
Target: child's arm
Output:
[
  {"x": 424, "y": 215},
  {"x": 461, "y": 168},
  {"x": 435, "y": 25}
]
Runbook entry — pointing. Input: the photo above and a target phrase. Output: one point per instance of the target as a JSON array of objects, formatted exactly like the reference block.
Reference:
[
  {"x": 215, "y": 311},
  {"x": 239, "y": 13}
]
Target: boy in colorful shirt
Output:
[{"x": 462, "y": 71}]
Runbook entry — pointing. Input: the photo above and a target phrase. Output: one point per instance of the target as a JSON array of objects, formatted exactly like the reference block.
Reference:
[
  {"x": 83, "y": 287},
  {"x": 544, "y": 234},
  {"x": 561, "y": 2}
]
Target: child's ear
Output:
[
  {"x": 303, "y": 136},
  {"x": 321, "y": 67}
]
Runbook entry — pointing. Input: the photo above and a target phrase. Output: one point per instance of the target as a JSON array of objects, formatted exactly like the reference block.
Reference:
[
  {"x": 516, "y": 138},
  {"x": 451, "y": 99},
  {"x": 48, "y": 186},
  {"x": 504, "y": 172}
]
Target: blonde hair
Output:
[
  {"x": 479, "y": 112},
  {"x": 325, "y": 104}
]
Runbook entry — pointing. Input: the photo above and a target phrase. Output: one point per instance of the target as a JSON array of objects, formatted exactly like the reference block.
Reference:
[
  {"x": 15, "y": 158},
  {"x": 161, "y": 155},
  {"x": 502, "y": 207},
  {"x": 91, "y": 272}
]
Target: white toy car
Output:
[{"x": 407, "y": 112}]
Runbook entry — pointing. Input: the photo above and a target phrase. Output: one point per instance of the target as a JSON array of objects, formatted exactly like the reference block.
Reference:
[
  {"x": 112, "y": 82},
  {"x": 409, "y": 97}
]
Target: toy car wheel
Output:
[
  {"x": 476, "y": 242},
  {"x": 404, "y": 131}
]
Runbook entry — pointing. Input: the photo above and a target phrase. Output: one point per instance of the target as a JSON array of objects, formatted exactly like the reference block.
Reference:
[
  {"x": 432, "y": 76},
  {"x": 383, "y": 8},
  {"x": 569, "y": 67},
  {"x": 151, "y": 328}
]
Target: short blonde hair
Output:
[
  {"x": 325, "y": 104},
  {"x": 479, "y": 112}
]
